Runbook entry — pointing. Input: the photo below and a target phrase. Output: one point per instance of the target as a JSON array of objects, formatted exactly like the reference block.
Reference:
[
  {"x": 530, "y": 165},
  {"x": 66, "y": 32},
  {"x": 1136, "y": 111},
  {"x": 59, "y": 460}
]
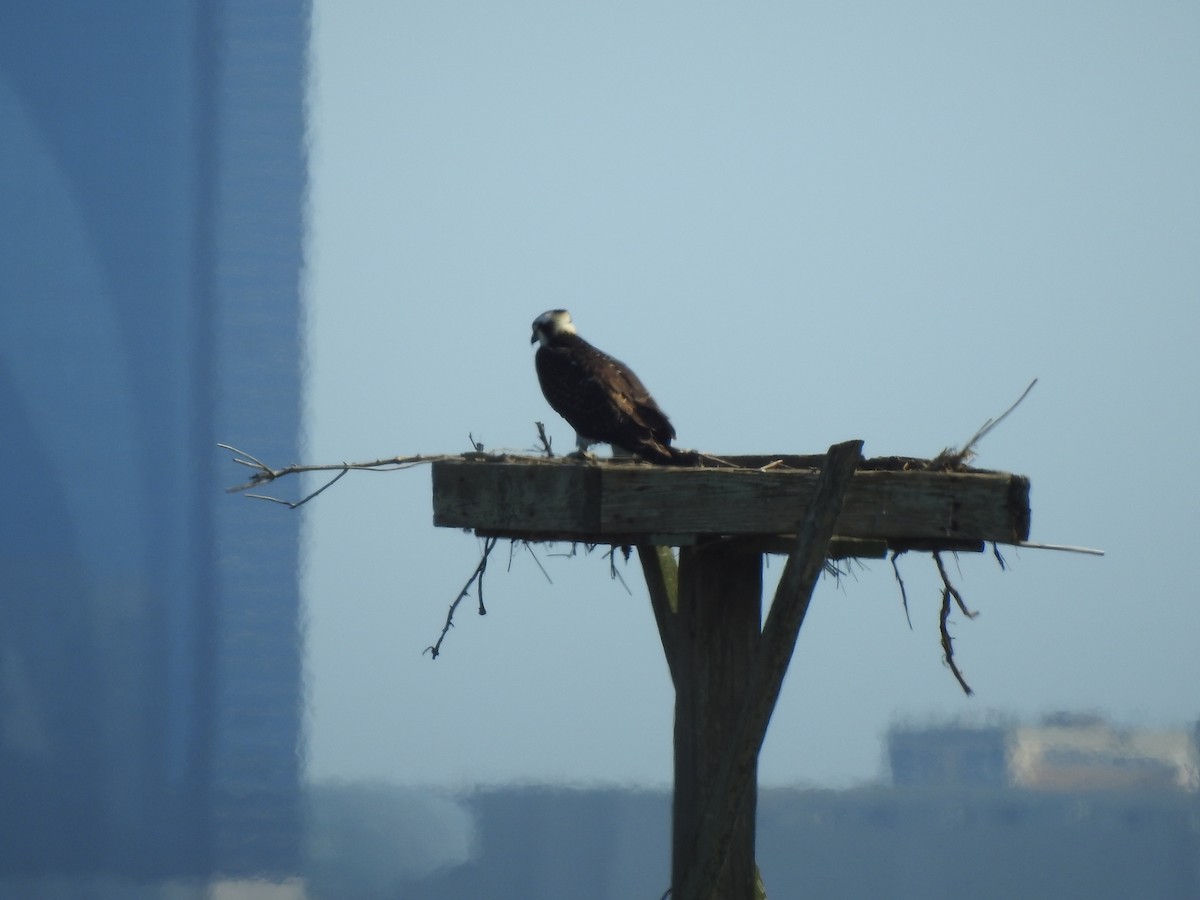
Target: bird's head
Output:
[{"x": 550, "y": 325}]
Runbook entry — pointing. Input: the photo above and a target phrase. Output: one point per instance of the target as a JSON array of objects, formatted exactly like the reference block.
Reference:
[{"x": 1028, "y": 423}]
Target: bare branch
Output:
[
  {"x": 613, "y": 572},
  {"x": 948, "y": 591},
  {"x": 948, "y": 645},
  {"x": 292, "y": 504},
  {"x": 903, "y": 592},
  {"x": 1000, "y": 560},
  {"x": 953, "y": 591},
  {"x": 264, "y": 474},
  {"x": 528, "y": 546},
  {"x": 953, "y": 459},
  {"x": 287, "y": 503},
  {"x": 543, "y": 439},
  {"x": 1067, "y": 548},
  {"x": 488, "y": 545},
  {"x": 969, "y": 447},
  {"x": 249, "y": 460}
]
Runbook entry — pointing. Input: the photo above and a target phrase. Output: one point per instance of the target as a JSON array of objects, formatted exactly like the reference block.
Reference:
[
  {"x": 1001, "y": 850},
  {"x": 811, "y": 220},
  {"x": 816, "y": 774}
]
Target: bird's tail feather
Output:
[{"x": 665, "y": 454}]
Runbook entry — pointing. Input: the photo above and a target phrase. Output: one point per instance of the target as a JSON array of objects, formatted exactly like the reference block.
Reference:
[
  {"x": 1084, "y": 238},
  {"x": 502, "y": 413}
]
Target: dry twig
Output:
[
  {"x": 613, "y": 572},
  {"x": 544, "y": 440},
  {"x": 488, "y": 545},
  {"x": 264, "y": 474},
  {"x": 953, "y": 459},
  {"x": 537, "y": 562},
  {"x": 903, "y": 592},
  {"x": 1000, "y": 560},
  {"x": 950, "y": 591}
]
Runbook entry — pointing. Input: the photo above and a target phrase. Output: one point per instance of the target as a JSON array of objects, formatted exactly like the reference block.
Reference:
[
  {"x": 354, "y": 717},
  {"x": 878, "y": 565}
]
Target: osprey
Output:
[{"x": 599, "y": 396}]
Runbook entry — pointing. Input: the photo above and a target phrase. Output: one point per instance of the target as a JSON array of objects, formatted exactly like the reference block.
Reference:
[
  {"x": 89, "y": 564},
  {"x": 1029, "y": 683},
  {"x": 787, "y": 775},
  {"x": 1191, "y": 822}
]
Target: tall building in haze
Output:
[{"x": 152, "y": 178}]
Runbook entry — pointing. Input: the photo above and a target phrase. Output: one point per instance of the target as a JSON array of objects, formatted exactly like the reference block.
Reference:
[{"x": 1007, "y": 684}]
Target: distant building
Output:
[
  {"x": 1065, "y": 752},
  {"x": 1070, "y": 752},
  {"x": 948, "y": 756},
  {"x": 152, "y": 170}
]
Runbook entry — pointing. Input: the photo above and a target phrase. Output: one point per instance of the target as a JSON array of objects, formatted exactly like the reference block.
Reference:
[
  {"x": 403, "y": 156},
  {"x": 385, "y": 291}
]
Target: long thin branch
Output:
[
  {"x": 953, "y": 459},
  {"x": 950, "y": 591},
  {"x": 264, "y": 474},
  {"x": 1090, "y": 551},
  {"x": 529, "y": 547},
  {"x": 987, "y": 426},
  {"x": 292, "y": 504},
  {"x": 488, "y": 545},
  {"x": 903, "y": 591}
]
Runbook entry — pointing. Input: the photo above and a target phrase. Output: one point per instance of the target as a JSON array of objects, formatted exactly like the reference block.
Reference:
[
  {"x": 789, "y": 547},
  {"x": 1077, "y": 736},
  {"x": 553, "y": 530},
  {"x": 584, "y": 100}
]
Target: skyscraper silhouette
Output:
[{"x": 152, "y": 177}]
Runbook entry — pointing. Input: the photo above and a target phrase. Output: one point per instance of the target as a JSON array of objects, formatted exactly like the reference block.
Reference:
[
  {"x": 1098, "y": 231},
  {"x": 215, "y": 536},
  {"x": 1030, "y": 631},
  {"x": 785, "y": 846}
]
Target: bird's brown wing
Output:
[
  {"x": 600, "y": 396},
  {"x": 635, "y": 401}
]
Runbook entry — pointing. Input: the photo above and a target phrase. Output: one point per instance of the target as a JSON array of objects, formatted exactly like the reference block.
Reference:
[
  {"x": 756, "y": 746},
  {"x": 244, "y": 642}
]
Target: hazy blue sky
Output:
[{"x": 801, "y": 224}]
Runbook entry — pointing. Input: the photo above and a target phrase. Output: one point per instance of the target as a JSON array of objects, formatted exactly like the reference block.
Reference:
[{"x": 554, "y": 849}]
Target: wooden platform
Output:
[
  {"x": 892, "y": 502},
  {"x": 726, "y": 662}
]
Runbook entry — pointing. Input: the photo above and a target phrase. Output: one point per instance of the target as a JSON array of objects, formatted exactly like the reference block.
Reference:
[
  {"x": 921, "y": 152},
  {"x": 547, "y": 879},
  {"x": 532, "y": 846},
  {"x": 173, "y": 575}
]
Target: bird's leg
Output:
[{"x": 581, "y": 447}]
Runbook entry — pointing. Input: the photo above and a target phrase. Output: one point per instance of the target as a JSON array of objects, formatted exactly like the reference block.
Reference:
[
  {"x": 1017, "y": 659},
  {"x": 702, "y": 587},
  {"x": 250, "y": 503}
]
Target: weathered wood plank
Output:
[
  {"x": 740, "y": 501},
  {"x": 608, "y": 502},
  {"x": 499, "y": 497}
]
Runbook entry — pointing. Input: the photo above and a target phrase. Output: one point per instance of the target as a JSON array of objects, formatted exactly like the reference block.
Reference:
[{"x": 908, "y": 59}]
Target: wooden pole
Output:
[
  {"x": 727, "y": 678},
  {"x": 715, "y": 637}
]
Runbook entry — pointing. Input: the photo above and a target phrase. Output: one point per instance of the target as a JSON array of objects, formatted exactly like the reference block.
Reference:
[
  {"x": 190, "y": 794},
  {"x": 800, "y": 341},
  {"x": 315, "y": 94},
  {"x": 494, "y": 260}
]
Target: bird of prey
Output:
[{"x": 599, "y": 396}]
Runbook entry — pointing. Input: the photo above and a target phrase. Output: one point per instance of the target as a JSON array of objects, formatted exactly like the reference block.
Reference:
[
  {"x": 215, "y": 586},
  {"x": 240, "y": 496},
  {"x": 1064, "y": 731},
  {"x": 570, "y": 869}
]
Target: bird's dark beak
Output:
[{"x": 533, "y": 339}]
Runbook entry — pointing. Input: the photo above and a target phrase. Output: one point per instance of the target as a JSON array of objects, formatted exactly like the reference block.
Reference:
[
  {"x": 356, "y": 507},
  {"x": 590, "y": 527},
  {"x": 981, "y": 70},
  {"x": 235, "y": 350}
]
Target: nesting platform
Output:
[
  {"x": 726, "y": 662},
  {"x": 893, "y": 503}
]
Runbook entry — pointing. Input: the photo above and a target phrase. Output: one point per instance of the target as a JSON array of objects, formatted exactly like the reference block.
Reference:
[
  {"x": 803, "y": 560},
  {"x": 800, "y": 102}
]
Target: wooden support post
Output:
[
  {"x": 715, "y": 638},
  {"x": 727, "y": 677},
  {"x": 662, "y": 582}
]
